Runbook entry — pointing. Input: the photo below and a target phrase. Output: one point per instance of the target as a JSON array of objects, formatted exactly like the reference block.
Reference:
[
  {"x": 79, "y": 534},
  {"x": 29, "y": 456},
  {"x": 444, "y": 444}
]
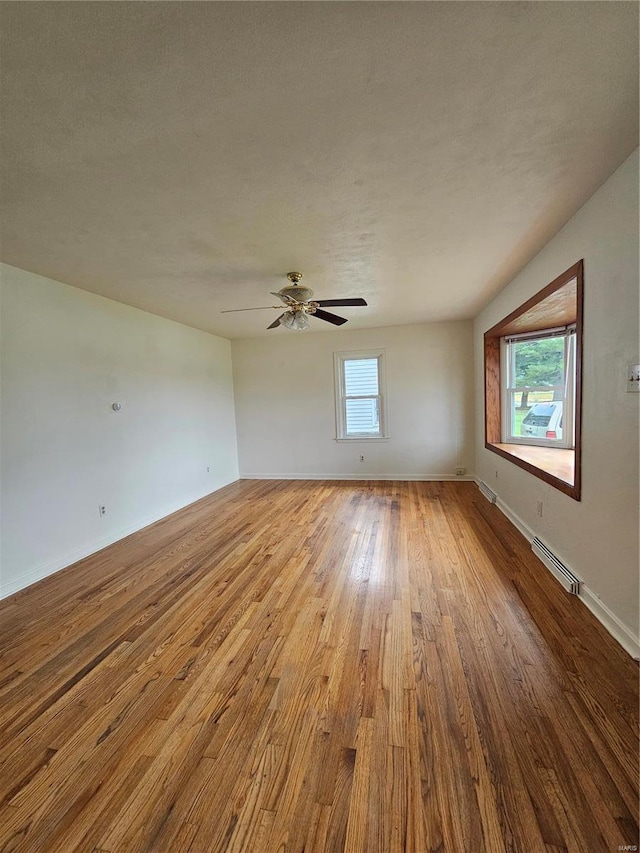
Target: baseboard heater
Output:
[
  {"x": 486, "y": 491},
  {"x": 557, "y": 568}
]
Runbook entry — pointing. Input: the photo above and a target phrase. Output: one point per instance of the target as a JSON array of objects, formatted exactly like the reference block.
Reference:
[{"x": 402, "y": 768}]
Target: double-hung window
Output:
[
  {"x": 360, "y": 404},
  {"x": 539, "y": 388}
]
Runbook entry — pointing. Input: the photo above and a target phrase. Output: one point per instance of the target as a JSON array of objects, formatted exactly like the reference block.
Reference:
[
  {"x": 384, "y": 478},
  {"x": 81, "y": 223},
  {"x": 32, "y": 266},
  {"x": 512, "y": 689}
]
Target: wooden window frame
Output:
[{"x": 493, "y": 384}]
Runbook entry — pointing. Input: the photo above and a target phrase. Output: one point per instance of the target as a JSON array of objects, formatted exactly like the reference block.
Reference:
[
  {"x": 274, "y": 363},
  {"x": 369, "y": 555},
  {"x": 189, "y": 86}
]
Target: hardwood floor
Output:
[{"x": 289, "y": 666}]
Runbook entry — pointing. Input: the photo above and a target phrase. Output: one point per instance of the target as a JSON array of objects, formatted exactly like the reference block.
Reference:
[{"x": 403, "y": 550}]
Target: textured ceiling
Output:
[{"x": 182, "y": 157}]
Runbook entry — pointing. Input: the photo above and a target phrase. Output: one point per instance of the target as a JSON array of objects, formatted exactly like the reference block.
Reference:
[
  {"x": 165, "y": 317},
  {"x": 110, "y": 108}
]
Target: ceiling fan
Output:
[{"x": 299, "y": 306}]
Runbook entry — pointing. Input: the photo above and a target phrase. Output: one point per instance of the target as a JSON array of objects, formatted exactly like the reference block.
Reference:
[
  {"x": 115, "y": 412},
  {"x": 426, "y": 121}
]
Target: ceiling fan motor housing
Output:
[{"x": 296, "y": 291}]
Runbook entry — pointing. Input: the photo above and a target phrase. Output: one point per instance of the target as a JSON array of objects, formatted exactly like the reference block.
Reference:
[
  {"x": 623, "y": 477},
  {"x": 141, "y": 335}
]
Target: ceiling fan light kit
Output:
[
  {"x": 299, "y": 306},
  {"x": 297, "y": 320}
]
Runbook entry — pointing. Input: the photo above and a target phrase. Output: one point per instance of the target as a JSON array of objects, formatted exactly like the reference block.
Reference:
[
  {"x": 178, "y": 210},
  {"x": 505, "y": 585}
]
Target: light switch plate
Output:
[{"x": 633, "y": 378}]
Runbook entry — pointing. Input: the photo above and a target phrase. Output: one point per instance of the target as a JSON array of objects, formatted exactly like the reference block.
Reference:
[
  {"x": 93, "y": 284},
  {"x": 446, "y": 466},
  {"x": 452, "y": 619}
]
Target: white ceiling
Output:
[{"x": 182, "y": 157}]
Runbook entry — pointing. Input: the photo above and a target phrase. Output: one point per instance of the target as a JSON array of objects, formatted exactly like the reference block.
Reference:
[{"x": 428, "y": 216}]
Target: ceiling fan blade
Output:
[
  {"x": 276, "y": 323},
  {"x": 261, "y": 308},
  {"x": 330, "y": 318},
  {"x": 358, "y": 301}
]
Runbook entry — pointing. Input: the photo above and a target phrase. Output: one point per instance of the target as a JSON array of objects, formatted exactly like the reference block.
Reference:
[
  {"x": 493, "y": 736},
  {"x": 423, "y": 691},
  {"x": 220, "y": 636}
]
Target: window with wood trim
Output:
[{"x": 533, "y": 386}]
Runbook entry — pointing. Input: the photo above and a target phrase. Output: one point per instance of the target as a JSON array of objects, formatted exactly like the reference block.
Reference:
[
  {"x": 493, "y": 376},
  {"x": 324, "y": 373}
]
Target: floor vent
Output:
[
  {"x": 486, "y": 491},
  {"x": 566, "y": 577}
]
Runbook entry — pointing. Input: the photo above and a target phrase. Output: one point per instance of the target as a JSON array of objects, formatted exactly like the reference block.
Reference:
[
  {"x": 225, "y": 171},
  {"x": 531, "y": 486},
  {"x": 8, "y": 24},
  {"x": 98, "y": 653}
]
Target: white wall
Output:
[
  {"x": 285, "y": 409},
  {"x": 598, "y": 537},
  {"x": 66, "y": 356}
]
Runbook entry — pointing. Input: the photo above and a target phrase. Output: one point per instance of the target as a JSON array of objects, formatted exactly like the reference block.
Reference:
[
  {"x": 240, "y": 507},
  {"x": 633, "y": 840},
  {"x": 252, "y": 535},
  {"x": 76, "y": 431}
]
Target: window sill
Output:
[
  {"x": 364, "y": 438},
  {"x": 554, "y": 465}
]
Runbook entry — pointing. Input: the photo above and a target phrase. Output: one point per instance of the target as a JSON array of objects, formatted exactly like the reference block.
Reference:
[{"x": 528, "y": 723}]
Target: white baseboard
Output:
[
  {"x": 607, "y": 617},
  {"x": 63, "y": 560},
  {"x": 517, "y": 522},
  {"x": 603, "y": 614},
  {"x": 399, "y": 477}
]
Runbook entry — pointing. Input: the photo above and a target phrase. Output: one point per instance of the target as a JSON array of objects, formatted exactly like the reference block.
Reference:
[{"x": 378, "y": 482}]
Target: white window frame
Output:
[
  {"x": 507, "y": 370},
  {"x": 339, "y": 359}
]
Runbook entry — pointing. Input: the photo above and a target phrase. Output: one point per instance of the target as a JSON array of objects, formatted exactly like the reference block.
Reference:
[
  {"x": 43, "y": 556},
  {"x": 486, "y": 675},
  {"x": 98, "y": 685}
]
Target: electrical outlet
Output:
[
  {"x": 496, "y": 475},
  {"x": 102, "y": 510},
  {"x": 539, "y": 508},
  {"x": 362, "y": 458},
  {"x": 460, "y": 471},
  {"x": 633, "y": 378},
  {"x": 207, "y": 469}
]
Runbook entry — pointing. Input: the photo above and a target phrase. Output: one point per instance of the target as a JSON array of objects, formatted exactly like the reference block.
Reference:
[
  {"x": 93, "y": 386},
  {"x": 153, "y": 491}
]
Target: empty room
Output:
[{"x": 319, "y": 427}]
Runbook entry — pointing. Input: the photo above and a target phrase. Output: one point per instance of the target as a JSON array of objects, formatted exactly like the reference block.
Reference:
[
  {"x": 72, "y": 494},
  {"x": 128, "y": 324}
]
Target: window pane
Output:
[
  {"x": 539, "y": 362},
  {"x": 520, "y": 402},
  {"x": 540, "y": 420},
  {"x": 530, "y": 418},
  {"x": 540, "y": 415},
  {"x": 360, "y": 376},
  {"x": 363, "y": 417}
]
